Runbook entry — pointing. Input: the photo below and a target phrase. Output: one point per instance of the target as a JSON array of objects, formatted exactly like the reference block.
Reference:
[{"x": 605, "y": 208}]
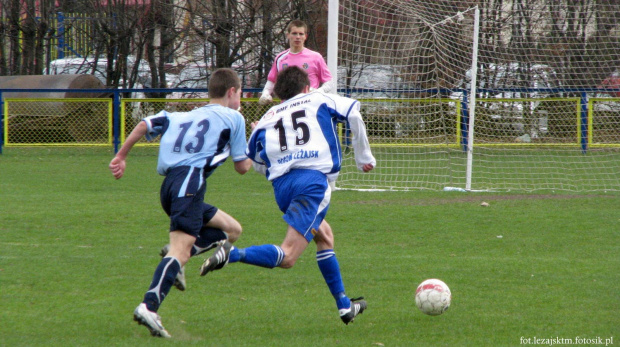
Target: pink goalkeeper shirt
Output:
[{"x": 312, "y": 62}]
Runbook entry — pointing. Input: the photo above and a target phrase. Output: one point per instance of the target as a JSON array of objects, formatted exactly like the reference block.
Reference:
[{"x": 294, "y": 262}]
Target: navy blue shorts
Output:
[
  {"x": 303, "y": 196},
  {"x": 182, "y": 198},
  {"x": 208, "y": 211}
]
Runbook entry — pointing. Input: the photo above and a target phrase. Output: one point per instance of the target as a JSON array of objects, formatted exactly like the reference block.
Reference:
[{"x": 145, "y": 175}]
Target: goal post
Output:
[
  {"x": 480, "y": 95},
  {"x": 472, "y": 104}
]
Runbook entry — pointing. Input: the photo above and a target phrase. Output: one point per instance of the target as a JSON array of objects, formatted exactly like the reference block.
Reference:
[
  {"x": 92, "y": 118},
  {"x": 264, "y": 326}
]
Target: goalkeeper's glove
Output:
[
  {"x": 265, "y": 97},
  {"x": 325, "y": 88}
]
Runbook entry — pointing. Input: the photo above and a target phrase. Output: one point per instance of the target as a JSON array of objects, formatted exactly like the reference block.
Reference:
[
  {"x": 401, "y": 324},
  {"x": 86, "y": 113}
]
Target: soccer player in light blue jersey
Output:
[
  {"x": 295, "y": 144},
  {"x": 193, "y": 144}
]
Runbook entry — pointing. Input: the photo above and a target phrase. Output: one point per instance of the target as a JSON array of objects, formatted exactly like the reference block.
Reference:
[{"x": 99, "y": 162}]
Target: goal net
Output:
[{"x": 483, "y": 95}]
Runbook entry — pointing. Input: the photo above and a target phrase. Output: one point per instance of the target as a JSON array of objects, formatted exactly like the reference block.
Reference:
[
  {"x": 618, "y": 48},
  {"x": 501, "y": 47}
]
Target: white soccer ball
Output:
[{"x": 433, "y": 297}]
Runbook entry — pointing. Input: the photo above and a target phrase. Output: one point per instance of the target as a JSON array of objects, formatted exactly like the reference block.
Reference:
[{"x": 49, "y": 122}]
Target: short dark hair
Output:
[
  {"x": 290, "y": 82},
  {"x": 221, "y": 81},
  {"x": 296, "y": 23}
]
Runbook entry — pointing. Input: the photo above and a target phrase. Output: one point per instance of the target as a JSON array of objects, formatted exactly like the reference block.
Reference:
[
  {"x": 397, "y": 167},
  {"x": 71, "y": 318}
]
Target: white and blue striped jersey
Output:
[
  {"x": 301, "y": 133},
  {"x": 203, "y": 137}
]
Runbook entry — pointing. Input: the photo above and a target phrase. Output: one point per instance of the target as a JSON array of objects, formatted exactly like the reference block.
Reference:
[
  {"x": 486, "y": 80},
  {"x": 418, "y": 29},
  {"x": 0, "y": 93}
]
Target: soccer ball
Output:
[{"x": 433, "y": 297}]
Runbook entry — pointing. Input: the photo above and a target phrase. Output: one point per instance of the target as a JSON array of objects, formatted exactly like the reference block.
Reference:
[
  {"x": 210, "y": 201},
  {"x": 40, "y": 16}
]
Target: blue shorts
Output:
[
  {"x": 208, "y": 211},
  {"x": 182, "y": 198},
  {"x": 303, "y": 196}
]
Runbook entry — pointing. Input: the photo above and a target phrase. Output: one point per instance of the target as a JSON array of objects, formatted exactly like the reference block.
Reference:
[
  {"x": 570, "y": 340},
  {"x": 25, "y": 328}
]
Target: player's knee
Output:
[
  {"x": 180, "y": 252},
  {"x": 287, "y": 265},
  {"x": 234, "y": 233},
  {"x": 233, "y": 229},
  {"x": 288, "y": 262},
  {"x": 183, "y": 258},
  {"x": 325, "y": 242}
]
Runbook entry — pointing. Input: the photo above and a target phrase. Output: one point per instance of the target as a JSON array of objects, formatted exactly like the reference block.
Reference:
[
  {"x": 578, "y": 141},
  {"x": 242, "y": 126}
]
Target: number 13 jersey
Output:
[
  {"x": 203, "y": 137},
  {"x": 301, "y": 133}
]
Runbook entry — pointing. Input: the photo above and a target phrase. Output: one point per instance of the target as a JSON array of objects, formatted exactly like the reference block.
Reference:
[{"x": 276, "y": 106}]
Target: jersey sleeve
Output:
[
  {"x": 361, "y": 146},
  {"x": 324, "y": 73},
  {"x": 256, "y": 145},
  {"x": 350, "y": 110},
  {"x": 155, "y": 125},
  {"x": 273, "y": 72},
  {"x": 238, "y": 145}
]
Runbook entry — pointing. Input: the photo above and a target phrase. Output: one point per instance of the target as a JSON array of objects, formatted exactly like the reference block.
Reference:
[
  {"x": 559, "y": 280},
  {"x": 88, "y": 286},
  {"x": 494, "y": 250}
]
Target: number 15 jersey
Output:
[{"x": 301, "y": 133}]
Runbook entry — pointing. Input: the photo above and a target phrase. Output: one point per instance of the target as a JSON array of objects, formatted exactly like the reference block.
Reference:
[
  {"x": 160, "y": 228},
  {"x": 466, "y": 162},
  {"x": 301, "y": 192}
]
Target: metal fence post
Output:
[
  {"x": 464, "y": 121},
  {"x": 1, "y": 121},
  {"x": 584, "y": 122},
  {"x": 116, "y": 120},
  {"x": 61, "y": 35}
]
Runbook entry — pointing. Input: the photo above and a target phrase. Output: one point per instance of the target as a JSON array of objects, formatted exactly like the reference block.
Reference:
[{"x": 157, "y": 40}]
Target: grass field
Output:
[{"x": 78, "y": 249}]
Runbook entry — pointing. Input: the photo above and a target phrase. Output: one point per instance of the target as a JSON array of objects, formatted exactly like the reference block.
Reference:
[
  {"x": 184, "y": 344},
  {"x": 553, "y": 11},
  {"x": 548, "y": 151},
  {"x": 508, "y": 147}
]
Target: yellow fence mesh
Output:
[
  {"x": 79, "y": 121},
  {"x": 84, "y": 121}
]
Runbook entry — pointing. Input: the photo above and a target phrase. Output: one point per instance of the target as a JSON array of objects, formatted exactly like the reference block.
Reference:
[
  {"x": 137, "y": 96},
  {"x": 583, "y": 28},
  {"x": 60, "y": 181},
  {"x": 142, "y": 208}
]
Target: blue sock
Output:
[
  {"x": 328, "y": 264},
  {"x": 268, "y": 256},
  {"x": 236, "y": 254},
  {"x": 206, "y": 240},
  {"x": 163, "y": 279}
]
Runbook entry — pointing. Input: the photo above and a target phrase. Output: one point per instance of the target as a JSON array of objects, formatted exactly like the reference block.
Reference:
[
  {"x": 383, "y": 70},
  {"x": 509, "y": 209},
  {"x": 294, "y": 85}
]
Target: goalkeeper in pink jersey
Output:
[{"x": 298, "y": 55}]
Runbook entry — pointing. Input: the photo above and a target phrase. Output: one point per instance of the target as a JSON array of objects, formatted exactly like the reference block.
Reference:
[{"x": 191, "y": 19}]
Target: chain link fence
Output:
[
  {"x": 79, "y": 121},
  {"x": 90, "y": 121}
]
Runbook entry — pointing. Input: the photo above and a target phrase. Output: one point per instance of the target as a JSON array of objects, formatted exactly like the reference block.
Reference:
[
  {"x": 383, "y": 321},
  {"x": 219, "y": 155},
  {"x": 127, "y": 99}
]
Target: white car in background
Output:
[{"x": 97, "y": 67}]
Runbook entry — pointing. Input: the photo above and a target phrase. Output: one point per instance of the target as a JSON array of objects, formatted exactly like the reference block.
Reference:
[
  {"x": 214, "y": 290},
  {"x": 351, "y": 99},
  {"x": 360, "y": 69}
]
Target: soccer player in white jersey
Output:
[
  {"x": 298, "y": 55},
  {"x": 193, "y": 144},
  {"x": 295, "y": 144}
]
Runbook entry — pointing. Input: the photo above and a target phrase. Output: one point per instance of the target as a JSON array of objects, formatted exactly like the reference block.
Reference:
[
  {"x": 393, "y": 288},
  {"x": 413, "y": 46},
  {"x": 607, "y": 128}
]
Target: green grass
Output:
[
  {"x": 495, "y": 168},
  {"x": 78, "y": 249}
]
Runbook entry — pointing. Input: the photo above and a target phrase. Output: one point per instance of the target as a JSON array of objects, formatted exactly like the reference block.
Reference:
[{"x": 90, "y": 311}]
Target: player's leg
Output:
[
  {"x": 268, "y": 256},
  {"x": 293, "y": 246},
  {"x": 179, "y": 281},
  {"x": 303, "y": 196},
  {"x": 211, "y": 235},
  {"x": 330, "y": 269},
  {"x": 181, "y": 195},
  {"x": 163, "y": 279},
  {"x": 214, "y": 222},
  {"x": 271, "y": 256},
  {"x": 219, "y": 226},
  {"x": 169, "y": 266},
  {"x": 223, "y": 221}
]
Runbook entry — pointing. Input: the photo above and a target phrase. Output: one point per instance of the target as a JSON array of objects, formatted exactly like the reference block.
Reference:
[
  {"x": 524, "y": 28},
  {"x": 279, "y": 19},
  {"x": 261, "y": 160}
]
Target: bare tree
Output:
[
  {"x": 579, "y": 37},
  {"x": 246, "y": 35},
  {"x": 161, "y": 31}
]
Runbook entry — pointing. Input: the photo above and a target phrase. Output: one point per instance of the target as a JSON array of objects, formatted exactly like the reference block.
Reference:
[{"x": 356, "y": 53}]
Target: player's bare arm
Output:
[
  {"x": 243, "y": 166},
  {"x": 117, "y": 165},
  {"x": 367, "y": 167}
]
